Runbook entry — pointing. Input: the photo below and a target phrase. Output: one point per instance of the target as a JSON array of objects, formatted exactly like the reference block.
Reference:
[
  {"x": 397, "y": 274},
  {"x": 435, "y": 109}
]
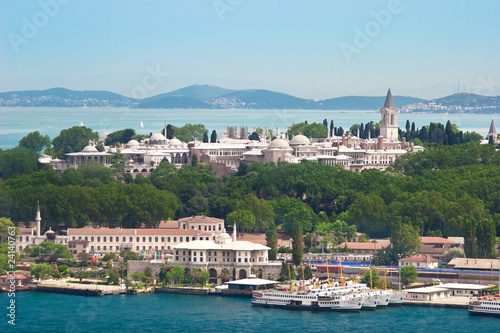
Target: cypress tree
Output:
[
  {"x": 213, "y": 137},
  {"x": 205, "y": 137}
]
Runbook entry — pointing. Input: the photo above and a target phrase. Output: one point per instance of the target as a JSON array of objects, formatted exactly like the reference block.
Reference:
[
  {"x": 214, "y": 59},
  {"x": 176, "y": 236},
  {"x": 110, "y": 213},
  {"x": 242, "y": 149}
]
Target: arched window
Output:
[{"x": 392, "y": 119}]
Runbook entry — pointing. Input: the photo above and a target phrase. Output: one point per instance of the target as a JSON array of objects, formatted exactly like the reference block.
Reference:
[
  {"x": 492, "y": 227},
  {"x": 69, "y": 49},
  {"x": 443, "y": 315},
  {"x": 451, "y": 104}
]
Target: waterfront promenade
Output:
[
  {"x": 75, "y": 288},
  {"x": 460, "y": 302}
]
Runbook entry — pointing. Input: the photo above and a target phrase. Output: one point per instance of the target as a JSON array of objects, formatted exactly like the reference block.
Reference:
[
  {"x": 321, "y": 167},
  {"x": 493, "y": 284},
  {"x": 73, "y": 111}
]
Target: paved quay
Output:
[
  {"x": 461, "y": 302},
  {"x": 63, "y": 286}
]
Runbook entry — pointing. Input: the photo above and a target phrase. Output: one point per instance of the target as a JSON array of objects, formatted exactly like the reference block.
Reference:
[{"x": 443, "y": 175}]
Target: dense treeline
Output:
[{"x": 443, "y": 191}]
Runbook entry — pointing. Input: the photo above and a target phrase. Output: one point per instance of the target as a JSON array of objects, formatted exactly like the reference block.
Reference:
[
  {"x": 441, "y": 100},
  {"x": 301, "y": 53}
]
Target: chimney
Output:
[{"x": 234, "y": 232}]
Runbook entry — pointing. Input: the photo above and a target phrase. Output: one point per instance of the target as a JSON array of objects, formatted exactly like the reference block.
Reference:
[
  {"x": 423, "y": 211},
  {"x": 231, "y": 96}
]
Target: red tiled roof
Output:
[
  {"x": 175, "y": 232},
  {"x": 100, "y": 231},
  {"x": 133, "y": 232},
  {"x": 200, "y": 218},
  {"x": 260, "y": 238},
  {"x": 418, "y": 259},
  {"x": 165, "y": 225},
  {"x": 435, "y": 240},
  {"x": 25, "y": 231},
  {"x": 363, "y": 246}
]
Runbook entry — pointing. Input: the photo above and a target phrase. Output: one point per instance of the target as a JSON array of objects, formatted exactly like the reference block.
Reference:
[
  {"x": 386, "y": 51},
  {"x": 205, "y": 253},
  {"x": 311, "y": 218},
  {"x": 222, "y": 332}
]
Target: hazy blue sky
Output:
[{"x": 313, "y": 49}]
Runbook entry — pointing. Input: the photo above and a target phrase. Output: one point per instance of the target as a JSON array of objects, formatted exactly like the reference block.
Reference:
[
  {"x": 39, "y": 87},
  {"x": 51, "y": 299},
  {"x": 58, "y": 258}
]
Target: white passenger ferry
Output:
[
  {"x": 306, "y": 301},
  {"x": 397, "y": 297},
  {"x": 485, "y": 306}
]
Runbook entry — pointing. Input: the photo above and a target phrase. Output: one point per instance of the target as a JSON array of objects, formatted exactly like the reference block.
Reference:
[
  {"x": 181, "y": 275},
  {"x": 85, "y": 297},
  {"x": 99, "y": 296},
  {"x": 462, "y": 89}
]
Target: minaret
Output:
[
  {"x": 389, "y": 122},
  {"x": 234, "y": 232},
  {"x": 492, "y": 132},
  {"x": 38, "y": 219}
]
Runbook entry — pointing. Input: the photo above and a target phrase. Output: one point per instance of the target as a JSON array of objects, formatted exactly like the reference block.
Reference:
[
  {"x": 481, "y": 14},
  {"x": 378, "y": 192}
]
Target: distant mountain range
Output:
[{"x": 213, "y": 97}]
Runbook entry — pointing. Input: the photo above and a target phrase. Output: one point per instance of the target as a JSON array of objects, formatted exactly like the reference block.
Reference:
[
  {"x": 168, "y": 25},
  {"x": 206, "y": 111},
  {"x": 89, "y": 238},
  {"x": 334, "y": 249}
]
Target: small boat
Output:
[{"x": 142, "y": 125}]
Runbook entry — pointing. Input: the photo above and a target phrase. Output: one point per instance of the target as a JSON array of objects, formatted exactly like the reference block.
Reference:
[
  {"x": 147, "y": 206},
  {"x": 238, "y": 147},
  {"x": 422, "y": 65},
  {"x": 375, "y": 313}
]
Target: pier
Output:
[
  {"x": 65, "y": 287},
  {"x": 457, "y": 302}
]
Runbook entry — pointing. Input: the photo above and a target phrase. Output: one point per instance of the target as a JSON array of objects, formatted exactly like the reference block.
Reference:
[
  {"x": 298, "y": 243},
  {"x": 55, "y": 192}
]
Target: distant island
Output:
[{"x": 213, "y": 97}]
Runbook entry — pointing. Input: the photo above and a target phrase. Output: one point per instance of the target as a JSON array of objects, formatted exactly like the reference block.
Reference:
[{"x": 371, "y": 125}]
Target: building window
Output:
[
  {"x": 144, "y": 248},
  {"x": 150, "y": 239},
  {"x": 131, "y": 239},
  {"x": 144, "y": 239},
  {"x": 74, "y": 237},
  {"x": 98, "y": 248},
  {"x": 86, "y": 238},
  {"x": 124, "y": 239},
  {"x": 92, "y": 238},
  {"x": 163, "y": 239},
  {"x": 175, "y": 239},
  {"x": 104, "y": 247},
  {"x": 98, "y": 238},
  {"x": 194, "y": 253},
  {"x": 104, "y": 239},
  {"x": 180, "y": 239},
  {"x": 156, "y": 239},
  {"x": 194, "y": 238},
  {"x": 137, "y": 248},
  {"x": 168, "y": 239},
  {"x": 110, "y": 239}
]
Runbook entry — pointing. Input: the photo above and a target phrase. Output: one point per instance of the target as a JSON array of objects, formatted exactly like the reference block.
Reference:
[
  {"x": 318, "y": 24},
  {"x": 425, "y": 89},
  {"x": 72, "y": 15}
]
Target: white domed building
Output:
[
  {"x": 88, "y": 153},
  {"x": 276, "y": 150},
  {"x": 225, "y": 252}
]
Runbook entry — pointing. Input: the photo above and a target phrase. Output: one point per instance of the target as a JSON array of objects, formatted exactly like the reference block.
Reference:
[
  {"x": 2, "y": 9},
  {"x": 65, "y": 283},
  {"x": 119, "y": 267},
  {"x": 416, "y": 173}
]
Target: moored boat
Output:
[
  {"x": 397, "y": 298},
  {"x": 489, "y": 306}
]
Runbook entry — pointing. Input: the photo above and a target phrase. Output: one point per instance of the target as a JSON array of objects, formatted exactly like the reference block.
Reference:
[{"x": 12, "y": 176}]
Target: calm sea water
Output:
[
  {"x": 17, "y": 122},
  {"x": 44, "y": 312}
]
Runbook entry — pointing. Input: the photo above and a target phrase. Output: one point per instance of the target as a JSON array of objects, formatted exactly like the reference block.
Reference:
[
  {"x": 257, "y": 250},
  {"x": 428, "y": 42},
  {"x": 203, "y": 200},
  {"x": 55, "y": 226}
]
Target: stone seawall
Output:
[
  {"x": 190, "y": 291},
  {"x": 62, "y": 290}
]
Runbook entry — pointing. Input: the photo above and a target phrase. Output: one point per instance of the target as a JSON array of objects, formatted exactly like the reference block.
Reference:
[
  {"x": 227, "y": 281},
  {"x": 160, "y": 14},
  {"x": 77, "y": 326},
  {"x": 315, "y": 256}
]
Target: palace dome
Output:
[
  {"x": 90, "y": 149},
  {"x": 279, "y": 144},
  {"x": 132, "y": 143},
  {"x": 300, "y": 140},
  {"x": 157, "y": 138},
  {"x": 175, "y": 142}
]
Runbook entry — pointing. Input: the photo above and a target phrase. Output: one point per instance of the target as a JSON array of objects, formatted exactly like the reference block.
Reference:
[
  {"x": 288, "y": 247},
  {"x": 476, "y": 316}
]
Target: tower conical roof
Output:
[
  {"x": 493, "y": 130},
  {"x": 389, "y": 103}
]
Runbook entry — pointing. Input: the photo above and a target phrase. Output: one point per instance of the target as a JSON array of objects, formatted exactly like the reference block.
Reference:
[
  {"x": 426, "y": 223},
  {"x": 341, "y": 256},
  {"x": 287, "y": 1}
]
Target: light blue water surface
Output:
[
  {"x": 16, "y": 122},
  {"x": 45, "y": 312}
]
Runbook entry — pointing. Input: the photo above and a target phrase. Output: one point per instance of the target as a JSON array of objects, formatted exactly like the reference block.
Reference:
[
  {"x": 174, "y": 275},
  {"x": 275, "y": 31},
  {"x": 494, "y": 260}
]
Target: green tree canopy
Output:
[
  {"x": 409, "y": 274},
  {"x": 121, "y": 136},
  {"x": 73, "y": 139},
  {"x": 35, "y": 141},
  {"x": 313, "y": 130}
]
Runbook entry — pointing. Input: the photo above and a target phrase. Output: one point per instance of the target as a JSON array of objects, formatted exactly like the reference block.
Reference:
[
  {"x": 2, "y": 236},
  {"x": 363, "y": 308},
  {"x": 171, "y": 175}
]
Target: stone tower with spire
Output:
[
  {"x": 492, "y": 132},
  {"x": 389, "y": 122}
]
